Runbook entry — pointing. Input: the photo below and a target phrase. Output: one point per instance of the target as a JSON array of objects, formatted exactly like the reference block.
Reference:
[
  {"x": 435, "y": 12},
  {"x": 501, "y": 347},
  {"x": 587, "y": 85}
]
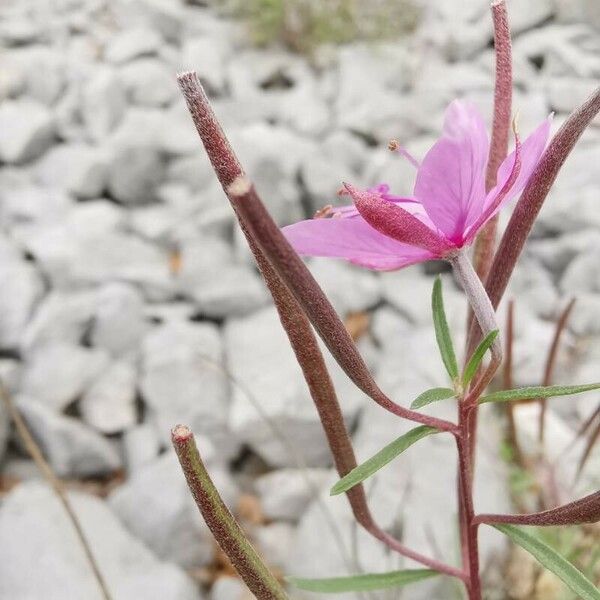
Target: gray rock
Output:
[
  {"x": 274, "y": 172},
  {"x": 32, "y": 511},
  {"x": 274, "y": 542},
  {"x": 12, "y": 78},
  {"x": 27, "y": 130},
  {"x": 60, "y": 317},
  {"x": 388, "y": 324},
  {"x": 349, "y": 288},
  {"x": 533, "y": 285},
  {"x": 286, "y": 493},
  {"x": 527, "y": 17},
  {"x": 565, "y": 94},
  {"x": 141, "y": 446},
  {"x": 72, "y": 449},
  {"x": 183, "y": 381},
  {"x": 383, "y": 111},
  {"x": 582, "y": 274},
  {"x": 103, "y": 103},
  {"x": 21, "y": 202},
  {"x": 585, "y": 11},
  {"x": 219, "y": 286},
  {"x": 77, "y": 168},
  {"x": 132, "y": 43},
  {"x": 108, "y": 405},
  {"x": 347, "y": 148},
  {"x": 19, "y": 30},
  {"x": 584, "y": 320},
  {"x": 134, "y": 174},
  {"x": 170, "y": 523},
  {"x": 88, "y": 247},
  {"x": 44, "y": 72},
  {"x": 119, "y": 321},
  {"x": 148, "y": 82},
  {"x": 22, "y": 289},
  {"x": 532, "y": 339},
  {"x": 322, "y": 179},
  {"x": 556, "y": 254},
  {"x": 57, "y": 373},
  {"x": 230, "y": 588},
  {"x": 207, "y": 56},
  {"x": 409, "y": 291},
  {"x": 569, "y": 206},
  {"x": 272, "y": 411}
]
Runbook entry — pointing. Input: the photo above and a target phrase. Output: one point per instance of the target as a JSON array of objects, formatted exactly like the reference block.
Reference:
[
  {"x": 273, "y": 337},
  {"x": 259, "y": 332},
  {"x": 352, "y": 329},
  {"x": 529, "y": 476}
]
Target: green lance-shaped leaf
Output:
[
  {"x": 432, "y": 395},
  {"x": 442, "y": 331},
  {"x": 382, "y": 458},
  {"x": 549, "y": 558},
  {"x": 362, "y": 583},
  {"x": 477, "y": 357},
  {"x": 261, "y": 582},
  {"x": 530, "y": 393}
]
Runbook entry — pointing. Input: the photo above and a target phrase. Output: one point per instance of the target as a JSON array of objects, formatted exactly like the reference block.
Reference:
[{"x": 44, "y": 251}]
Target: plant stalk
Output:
[{"x": 232, "y": 540}]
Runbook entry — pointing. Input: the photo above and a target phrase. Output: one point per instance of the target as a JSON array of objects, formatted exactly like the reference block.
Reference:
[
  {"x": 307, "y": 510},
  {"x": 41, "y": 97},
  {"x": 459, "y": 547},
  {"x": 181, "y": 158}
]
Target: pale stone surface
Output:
[{"x": 32, "y": 512}]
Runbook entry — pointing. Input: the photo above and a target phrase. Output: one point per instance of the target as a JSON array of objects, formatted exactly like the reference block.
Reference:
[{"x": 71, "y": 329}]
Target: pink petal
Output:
[
  {"x": 354, "y": 240},
  {"x": 451, "y": 180},
  {"x": 391, "y": 219},
  {"x": 531, "y": 152},
  {"x": 495, "y": 202}
]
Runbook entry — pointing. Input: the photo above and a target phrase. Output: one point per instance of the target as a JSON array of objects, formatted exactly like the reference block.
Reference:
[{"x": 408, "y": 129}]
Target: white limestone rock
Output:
[
  {"x": 27, "y": 130},
  {"x": 108, "y": 405},
  {"x": 72, "y": 449},
  {"x": 32, "y": 512},
  {"x": 57, "y": 373}
]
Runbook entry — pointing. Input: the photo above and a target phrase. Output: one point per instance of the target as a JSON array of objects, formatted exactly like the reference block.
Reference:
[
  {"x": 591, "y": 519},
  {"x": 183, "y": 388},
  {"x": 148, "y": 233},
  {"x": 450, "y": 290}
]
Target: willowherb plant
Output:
[{"x": 461, "y": 184}]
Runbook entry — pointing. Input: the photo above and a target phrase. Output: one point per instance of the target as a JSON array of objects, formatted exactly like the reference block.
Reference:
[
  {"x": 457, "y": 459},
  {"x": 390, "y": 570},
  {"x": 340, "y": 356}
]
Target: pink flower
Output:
[{"x": 448, "y": 208}]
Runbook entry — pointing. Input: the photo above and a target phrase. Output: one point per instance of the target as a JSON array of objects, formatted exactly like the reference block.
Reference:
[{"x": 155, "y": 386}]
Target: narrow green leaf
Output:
[
  {"x": 477, "y": 357},
  {"x": 442, "y": 331},
  {"x": 362, "y": 583},
  {"x": 382, "y": 458},
  {"x": 553, "y": 561},
  {"x": 432, "y": 395},
  {"x": 529, "y": 393}
]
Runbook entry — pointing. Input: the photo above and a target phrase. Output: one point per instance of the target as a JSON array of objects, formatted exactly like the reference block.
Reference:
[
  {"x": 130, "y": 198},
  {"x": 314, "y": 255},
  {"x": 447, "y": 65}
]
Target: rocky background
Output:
[{"x": 130, "y": 302}]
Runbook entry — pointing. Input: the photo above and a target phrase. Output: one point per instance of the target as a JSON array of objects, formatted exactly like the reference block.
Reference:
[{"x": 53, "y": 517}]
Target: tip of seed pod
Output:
[
  {"x": 393, "y": 145},
  {"x": 181, "y": 433},
  {"x": 239, "y": 186}
]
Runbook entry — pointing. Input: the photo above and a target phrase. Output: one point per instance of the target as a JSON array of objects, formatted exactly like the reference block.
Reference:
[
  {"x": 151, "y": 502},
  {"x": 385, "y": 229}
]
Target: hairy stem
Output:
[
  {"x": 485, "y": 315},
  {"x": 470, "y": 535},
  {"x": 54, "y": 482},
  {"x": 232, "y": 540}
]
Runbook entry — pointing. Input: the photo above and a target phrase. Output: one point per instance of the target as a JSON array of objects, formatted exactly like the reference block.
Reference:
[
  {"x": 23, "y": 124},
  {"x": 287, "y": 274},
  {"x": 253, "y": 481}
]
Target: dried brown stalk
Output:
[{"x": 54, "y": 482}]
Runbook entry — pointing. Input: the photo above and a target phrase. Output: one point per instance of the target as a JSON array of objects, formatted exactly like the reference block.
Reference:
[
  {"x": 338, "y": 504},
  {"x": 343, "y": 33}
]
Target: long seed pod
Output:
[
  {"x": 229, "y": 535},
  {"x": 286, "y": 263},
  {"x": 534, "y": 195},
  {"x": 484, "y": 246},
  {"x": 585, "y": 510}
]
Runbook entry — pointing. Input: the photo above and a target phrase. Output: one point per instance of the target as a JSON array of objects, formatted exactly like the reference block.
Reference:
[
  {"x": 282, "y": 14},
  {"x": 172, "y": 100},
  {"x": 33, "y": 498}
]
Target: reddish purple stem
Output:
[{"x": 585, "y": 510}]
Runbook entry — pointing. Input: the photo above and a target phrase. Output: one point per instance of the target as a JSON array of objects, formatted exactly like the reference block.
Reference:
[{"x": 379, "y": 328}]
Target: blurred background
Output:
[{"x": 130, "y": 302}]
